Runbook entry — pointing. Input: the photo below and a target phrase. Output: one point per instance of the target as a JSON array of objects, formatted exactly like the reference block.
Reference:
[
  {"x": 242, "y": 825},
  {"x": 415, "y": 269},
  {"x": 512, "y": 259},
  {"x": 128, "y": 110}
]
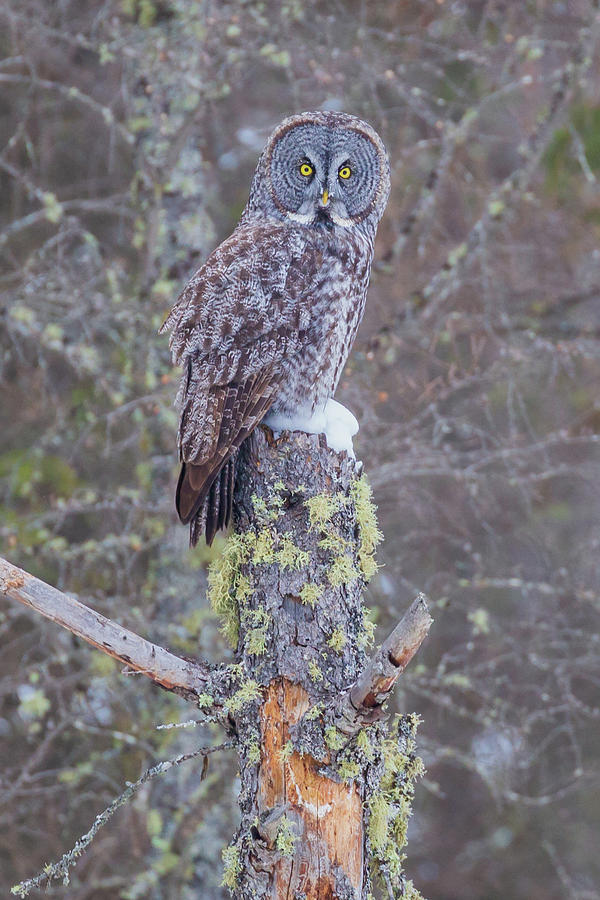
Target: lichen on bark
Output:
[{"x": 317, "y": 805}]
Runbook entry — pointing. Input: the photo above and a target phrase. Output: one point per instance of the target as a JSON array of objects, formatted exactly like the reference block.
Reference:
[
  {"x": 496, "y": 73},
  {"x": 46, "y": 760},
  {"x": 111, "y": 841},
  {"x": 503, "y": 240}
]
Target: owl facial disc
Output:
[{"x": 326, "y": 168}]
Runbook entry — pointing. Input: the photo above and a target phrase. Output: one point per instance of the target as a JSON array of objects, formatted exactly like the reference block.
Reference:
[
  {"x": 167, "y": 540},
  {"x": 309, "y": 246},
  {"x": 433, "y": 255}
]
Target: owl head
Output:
[{"x": 322, "y": 169}]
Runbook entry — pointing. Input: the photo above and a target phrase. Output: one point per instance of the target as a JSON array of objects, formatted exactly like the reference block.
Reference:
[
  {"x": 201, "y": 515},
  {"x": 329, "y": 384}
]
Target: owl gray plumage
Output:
[{"x": 266, "y": 324}]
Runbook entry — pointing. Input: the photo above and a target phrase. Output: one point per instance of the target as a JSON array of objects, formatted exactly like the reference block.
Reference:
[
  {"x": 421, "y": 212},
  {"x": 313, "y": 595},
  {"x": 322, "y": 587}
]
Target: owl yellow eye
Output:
[
  {"x": 306, "y": 169},
  {"x": 345, "y": 172}
]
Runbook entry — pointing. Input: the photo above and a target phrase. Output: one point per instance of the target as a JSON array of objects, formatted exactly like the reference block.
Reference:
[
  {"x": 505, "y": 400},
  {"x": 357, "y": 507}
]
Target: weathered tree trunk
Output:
[
  {"x": 305, "y": 533},
  {"x": 326, "y": 786}
]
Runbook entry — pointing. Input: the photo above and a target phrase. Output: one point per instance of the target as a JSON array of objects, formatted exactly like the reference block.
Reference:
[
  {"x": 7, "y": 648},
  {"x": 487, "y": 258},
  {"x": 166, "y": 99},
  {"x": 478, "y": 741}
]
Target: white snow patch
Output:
[{"x": 332, "y": 419}]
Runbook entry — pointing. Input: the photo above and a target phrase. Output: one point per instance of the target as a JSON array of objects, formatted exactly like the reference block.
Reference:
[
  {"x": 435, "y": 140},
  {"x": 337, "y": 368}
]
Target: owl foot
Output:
[{"x": 333, "y": 420}]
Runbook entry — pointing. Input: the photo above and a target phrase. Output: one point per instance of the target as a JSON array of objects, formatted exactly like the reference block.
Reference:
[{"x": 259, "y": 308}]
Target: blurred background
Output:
[{"x": 129, "y": 131}]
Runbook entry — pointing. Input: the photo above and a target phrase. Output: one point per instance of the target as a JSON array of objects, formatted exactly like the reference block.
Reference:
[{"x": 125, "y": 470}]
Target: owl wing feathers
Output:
[{"x": 241, "y": 314}]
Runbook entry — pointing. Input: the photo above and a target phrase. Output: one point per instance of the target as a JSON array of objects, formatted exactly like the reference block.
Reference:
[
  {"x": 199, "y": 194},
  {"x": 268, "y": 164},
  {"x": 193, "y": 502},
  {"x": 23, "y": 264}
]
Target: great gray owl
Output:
[{"x": 264, "y": 327}]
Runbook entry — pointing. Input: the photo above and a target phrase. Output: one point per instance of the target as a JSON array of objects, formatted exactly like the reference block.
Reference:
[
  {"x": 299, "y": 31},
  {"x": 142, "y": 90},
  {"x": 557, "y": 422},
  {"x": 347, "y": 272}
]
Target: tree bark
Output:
[
  {"x": 305, "y": 521},
  {"x": 325, "y": 784}
]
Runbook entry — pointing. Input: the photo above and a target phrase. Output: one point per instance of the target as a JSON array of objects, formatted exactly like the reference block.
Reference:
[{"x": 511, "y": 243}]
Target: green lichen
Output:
[
  {"x": 342, "y": 571},
  {"x": 226, "y": 584},
  {"x": 348, "y": 769},
  {"x": 337, "y": 641},
  {"x": 232, "y": 866},
  {"x": 260, "y": 507},
  {"x": 310, "y": 593},
  {"x": 289, "y": 556},
  {"x": 248, "y": 692},
  {"x": 258, "y": 621},
  {"x": 321, "y": 509},
  {"x": 263, "y": 548},
  {"x": 389, "y": 805},
  {"x": 369, "y": 534},
  {"x": 366, "y": 636},
  {"x": 256, "y": 641},
  {"x": 286, "y": 838},
  {"x": 204, "y": 701},
  {"x": 286, "y": 751},
  {"x": 254, "y": 752},
  {"x": 379, "y": 817},
  {"x": 314, "y": 671},
  {"x": 243, "y": 588},
  {"x": 334, "y": 739},
  {"x": 363, "y": 742},
  {"x": 314, "y": 712}
]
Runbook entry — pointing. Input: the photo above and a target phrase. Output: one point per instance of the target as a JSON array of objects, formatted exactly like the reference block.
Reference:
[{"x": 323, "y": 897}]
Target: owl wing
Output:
[{"x": 241, "y": 315}]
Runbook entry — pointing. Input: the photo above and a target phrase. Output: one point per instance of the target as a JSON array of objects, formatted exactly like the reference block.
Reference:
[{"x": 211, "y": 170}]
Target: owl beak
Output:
[{"x": 325, "y": 197}]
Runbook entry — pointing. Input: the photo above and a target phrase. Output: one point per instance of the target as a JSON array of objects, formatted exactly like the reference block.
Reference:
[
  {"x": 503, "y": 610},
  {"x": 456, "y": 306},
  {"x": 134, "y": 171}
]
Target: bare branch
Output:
[
  {"x": 179, "y": 675},
  {"x": 61, "y": 868},
  {"x": 363, "y": 701}
]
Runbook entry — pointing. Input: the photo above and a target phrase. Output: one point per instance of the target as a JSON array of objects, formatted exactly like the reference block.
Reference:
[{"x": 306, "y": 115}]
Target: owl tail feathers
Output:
[{"x": 205, "y": 498}]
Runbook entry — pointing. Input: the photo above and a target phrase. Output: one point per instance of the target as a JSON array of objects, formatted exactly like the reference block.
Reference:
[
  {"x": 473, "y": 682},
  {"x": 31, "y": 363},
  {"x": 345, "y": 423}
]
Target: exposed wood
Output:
[
  {"x": 302, "y": 513},
  {"x": 327, "y": 814},
  {"x": 164, "y": 668}
]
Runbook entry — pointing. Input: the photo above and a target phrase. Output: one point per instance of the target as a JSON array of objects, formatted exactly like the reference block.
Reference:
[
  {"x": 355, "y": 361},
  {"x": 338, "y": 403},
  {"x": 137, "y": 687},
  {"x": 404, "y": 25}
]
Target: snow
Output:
[{"x": 332, "y": 419}]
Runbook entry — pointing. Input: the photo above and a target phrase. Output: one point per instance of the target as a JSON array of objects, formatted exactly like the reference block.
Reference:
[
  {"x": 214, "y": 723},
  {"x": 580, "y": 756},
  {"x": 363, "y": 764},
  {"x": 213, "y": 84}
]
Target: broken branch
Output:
[
  {"x": 179, "y": 675},
  {"x": 362, "y": 704}
]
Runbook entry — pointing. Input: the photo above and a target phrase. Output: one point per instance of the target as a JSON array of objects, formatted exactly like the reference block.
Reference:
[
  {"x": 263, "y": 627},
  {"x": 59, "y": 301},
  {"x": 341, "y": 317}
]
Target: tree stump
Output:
[
  {"x": 326, "y": 785},
  {"x": 290, "y": 588}
]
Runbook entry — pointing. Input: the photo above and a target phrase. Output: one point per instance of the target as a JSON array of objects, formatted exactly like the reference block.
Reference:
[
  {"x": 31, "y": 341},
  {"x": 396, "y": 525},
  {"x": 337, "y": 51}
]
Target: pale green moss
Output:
[
  {"x": 256, "y": 641},
  {"x": 286, "y": 838},
  {"x": 289, "y": 556},
  {"x": 390, "y": 805},
  {"x": 248, "y": 692},
  {"x": 243, "y": 588},
  {"x": 232, "y": 866},
  {"x": 379, "y": 817},
  {"x": 321, "y": 509},
  {"x": 348, "y": 769},
  {"x": 256, "y": 636},
  {"x": 335, "y": 543},
  {"x": 410, "y": 892},
  {"x": 263, "y": 548},
  {"x": 224, "y": 581},
  {"x": 363, "y": 743},
  {"x": 259, "y": 505},
  {"x": 314, "y": 671},
  {"x": 342, "y": 571},
  {"x": 366, "y": 636},
  {"x": 254, "y": 752},
  {"x": 370, "y": 535},
  {"x": 337, "y": 641},
  {"x": 286, "y": 751},
  {"x": 334, "y": 739},
  {"x": 310, "y": 593},
  {"x": 314, "y": 712}
]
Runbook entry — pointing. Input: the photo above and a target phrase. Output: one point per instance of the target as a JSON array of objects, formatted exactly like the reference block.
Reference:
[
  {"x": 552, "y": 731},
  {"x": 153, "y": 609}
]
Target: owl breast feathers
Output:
[{"x": 266, "y": 324}]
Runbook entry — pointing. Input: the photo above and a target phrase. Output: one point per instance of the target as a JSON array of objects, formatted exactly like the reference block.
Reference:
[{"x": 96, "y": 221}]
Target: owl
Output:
[{"x": 263, "y": 329}]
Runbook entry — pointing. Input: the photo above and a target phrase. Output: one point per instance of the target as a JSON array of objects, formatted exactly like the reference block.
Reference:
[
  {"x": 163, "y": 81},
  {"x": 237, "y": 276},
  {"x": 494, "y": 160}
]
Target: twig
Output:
[
  {"x": 179, "y": 675},
  {"x": 61, "y": 868},
  {"x": 362, "y": 703}
]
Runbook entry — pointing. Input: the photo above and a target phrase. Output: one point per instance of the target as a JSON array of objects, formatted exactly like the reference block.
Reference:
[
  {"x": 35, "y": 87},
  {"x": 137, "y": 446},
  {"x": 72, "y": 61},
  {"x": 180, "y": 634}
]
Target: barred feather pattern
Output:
[{"x": 265, "y": 324}]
